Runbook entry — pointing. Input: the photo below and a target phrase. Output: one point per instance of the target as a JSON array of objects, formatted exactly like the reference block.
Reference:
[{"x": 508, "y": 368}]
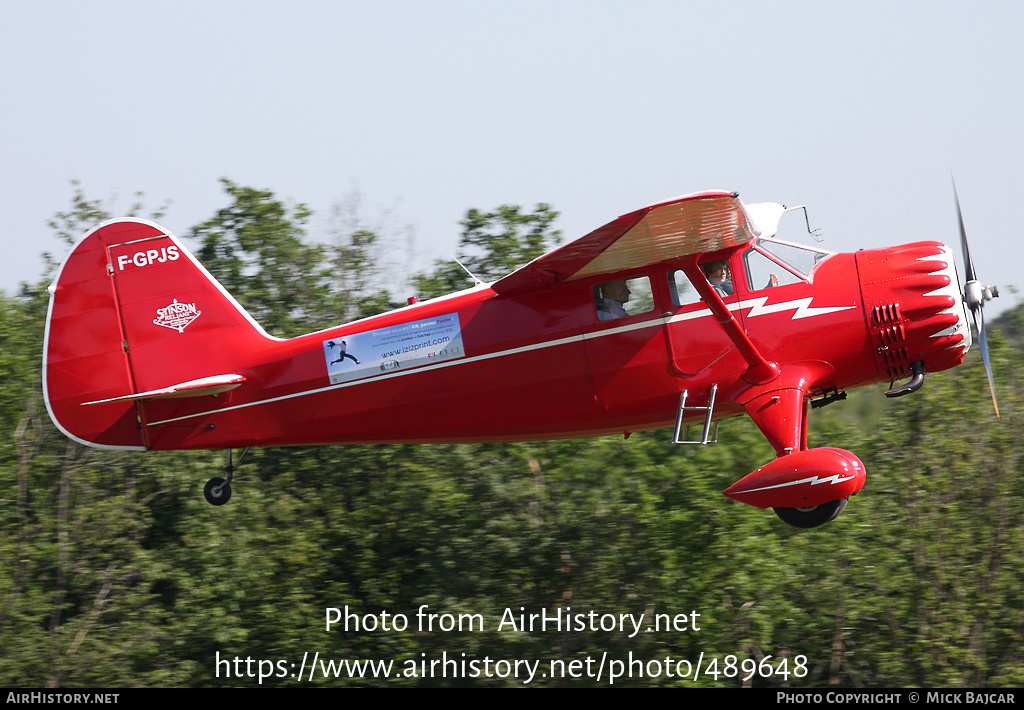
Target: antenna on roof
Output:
[{"x": 476, "y": 281}]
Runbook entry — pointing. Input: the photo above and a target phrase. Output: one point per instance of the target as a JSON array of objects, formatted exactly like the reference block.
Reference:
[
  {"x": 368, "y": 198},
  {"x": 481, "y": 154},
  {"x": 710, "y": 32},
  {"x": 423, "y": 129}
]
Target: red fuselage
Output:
[
  {"x": 676, "y": 313},
  {"x": 542, "y": 365}
]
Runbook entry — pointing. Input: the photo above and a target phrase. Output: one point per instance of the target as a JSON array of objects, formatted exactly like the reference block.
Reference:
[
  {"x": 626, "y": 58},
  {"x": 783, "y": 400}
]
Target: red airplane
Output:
[{"x": 684, "y": 312}]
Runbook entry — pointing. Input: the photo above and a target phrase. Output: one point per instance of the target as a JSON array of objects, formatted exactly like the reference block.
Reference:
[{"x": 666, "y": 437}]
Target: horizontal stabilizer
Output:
[{"x": 193, "y": 388}]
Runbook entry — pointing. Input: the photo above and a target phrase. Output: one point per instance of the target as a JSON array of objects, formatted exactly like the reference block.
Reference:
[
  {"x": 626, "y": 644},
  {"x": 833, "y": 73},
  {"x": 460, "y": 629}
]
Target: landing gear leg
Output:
[{"x": 217, "y": 491}]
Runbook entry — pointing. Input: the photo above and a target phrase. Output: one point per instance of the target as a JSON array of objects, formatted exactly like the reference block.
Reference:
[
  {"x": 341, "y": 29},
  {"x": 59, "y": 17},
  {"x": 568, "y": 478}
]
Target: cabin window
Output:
[
  {"x": 763, "y": 272},
  {"x": 682, "y": 291},
  {"x": 718, "y": 273},
  {"x": 622, "y": 298}
]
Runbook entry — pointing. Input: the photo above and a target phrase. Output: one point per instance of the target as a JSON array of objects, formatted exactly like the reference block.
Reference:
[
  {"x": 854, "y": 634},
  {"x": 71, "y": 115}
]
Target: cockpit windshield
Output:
[
  {"x": 777, "y": 261},
  {"x": 797, "y": 258},
  {"x": 767, "y": 263}
]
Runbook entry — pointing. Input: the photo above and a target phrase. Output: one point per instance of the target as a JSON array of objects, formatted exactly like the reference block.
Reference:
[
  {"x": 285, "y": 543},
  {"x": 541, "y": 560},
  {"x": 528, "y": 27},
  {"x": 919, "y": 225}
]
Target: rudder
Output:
[{"x": 131, "y": 311}]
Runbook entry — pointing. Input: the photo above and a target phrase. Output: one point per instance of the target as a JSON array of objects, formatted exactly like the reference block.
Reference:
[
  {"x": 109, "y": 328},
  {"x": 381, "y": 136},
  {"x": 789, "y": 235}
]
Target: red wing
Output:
[{"x": 694, "y": 224}]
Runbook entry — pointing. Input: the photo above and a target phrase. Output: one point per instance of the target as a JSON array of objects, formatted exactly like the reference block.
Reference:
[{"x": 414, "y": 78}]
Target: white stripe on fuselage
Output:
[{"x": 757, "y": 305}]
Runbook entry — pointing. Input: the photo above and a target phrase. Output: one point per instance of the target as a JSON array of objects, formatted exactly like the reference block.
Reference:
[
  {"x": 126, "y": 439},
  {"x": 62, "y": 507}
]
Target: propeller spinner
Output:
[{"x": 975, "y": 296}]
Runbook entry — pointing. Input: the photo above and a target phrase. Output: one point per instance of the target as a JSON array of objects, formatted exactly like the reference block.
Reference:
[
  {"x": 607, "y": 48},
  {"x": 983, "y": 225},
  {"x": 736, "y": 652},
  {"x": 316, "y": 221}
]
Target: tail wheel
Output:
[
  {"x": 814, "y": 516},
  {"x": 217, "y": 491}
]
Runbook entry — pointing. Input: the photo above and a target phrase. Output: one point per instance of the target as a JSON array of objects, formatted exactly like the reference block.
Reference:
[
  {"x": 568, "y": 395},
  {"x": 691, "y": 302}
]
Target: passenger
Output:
[
  {"x": 718, "y": 276},
  {"x": 610, "y": 298}
]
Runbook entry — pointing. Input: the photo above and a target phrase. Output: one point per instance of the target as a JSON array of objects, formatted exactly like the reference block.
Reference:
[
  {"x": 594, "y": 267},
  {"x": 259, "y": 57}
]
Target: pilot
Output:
[
  {"x": 610, "y": 299},
  {"x": 718, "y": 276}
]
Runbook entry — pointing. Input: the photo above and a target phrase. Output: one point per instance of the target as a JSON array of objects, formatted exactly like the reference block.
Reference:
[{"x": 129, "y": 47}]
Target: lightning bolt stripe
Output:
[
  {"x": 760, "y": 307},
  {"x": 801, "y": 306},
  {"x": 813, "y": 480}
]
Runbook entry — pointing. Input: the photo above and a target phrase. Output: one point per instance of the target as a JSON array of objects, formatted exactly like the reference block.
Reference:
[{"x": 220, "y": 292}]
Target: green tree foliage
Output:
[
  {"x": 362, "y": 259},
  {"x": 493, "y": 244},
  {"x": 256, "y": 248},
  {"x": 115, "y": 572},
  {"x": 70, "y": 225}
]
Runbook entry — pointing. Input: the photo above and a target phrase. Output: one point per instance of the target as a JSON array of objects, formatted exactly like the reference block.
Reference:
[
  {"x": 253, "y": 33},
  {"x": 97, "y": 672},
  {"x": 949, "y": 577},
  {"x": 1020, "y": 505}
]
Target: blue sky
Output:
[{"x": 859, "y": 110}]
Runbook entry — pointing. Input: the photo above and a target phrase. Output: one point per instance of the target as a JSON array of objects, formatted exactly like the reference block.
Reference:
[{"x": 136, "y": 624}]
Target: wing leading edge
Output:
[{"x": 693, "y": 224}]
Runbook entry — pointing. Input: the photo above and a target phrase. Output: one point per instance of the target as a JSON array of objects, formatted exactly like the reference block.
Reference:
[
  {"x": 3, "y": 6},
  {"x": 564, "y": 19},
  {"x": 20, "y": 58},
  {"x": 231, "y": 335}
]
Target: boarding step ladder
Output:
[{"x": 680, "y": 432}]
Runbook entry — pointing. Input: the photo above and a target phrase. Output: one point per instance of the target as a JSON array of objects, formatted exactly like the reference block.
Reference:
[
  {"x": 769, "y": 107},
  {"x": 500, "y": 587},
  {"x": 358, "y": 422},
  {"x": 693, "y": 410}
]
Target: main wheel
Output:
[
  {"x": 814, "y": 516},
  {"x": 212, "y": 496}
]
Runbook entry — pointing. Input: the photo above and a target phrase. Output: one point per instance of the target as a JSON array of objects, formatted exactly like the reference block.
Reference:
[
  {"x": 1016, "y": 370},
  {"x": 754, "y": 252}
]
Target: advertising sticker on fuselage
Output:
[{"x": 399, "y": 347}]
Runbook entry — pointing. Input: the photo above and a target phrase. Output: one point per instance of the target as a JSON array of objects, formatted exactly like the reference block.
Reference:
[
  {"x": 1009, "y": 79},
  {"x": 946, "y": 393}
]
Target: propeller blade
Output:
[
  {"x": 975, "y": 296},
  {"x": 979, "y": 322},
  {"x": 968, "y": 264}
]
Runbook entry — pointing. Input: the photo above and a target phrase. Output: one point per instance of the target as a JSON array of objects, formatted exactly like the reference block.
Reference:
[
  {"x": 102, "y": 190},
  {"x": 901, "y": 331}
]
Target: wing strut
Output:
[{"x": 760, "y": 370}]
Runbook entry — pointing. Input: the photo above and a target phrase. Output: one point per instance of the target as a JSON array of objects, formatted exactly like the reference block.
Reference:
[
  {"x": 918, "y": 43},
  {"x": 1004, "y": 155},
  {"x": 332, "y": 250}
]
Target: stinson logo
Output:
[{"x": 177, "y": 315}]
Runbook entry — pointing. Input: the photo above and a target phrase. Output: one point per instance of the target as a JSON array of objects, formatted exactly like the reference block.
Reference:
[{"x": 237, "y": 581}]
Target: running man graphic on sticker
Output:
[{"x": 341, "y": 354}]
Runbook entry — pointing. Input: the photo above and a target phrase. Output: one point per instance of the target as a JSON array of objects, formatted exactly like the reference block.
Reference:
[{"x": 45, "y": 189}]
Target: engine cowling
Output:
[{"x": 914, "y": 308}]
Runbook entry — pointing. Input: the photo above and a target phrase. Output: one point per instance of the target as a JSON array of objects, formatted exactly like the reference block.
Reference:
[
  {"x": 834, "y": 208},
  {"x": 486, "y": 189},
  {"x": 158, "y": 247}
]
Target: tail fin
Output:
[{"x": 132, "y": 312}]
